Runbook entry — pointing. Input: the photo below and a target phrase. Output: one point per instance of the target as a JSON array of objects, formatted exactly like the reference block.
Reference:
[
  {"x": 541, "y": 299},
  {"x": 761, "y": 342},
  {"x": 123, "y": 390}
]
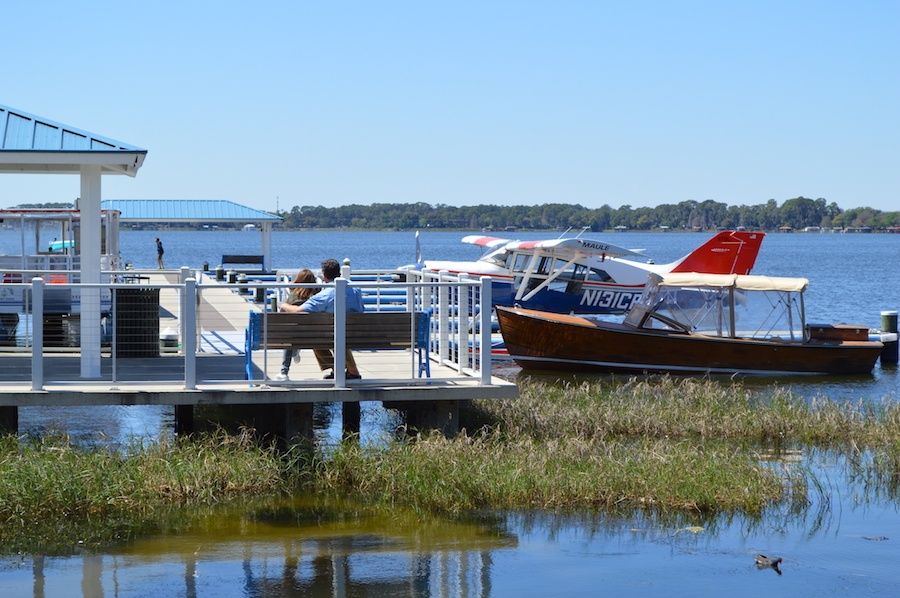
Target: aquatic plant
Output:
[
  {"x": 491, "y": 470},
  {"x": 48, "y": 477}
]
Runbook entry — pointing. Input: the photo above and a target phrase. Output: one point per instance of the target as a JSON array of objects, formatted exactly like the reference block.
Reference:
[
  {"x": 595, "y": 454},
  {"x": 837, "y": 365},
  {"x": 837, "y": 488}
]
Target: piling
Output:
[
  {"x": 259, "y": 294},
  {"x": 889, "y": 337}
]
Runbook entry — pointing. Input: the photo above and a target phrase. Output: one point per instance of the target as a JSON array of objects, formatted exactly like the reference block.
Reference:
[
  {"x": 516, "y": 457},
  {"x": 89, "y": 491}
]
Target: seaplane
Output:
[{"x": 586, "y": 276}]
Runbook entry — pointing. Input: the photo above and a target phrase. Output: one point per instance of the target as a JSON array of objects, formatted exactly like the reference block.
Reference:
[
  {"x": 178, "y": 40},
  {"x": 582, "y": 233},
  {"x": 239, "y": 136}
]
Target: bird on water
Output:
[{"x": 765, "y": 562}]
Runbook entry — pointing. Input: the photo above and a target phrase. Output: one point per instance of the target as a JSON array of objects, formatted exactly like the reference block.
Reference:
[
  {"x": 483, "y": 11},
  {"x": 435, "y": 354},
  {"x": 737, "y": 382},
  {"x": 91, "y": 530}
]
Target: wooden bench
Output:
[
  {"x": 244, "y": 260},
  {"x": 366, "y": 330}
]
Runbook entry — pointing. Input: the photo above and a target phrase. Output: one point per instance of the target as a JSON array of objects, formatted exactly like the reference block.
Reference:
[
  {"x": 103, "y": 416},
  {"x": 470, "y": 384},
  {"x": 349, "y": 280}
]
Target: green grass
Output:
[
  {"x": 47, "y": 478},
  {"x": 489, "y": 471},
  {"x": 662, "y": 444},
  {"x": 670, "y": 444}
]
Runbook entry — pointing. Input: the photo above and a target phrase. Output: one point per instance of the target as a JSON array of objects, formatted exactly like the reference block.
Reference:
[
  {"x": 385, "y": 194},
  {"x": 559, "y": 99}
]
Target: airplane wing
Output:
[
  {"x": 585, "y": 247},
  {"x": 484, "y": 241}
]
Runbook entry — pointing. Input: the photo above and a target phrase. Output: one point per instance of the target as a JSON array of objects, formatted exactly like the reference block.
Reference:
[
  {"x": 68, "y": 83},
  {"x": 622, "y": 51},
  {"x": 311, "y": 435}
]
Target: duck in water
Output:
[{"x": 766, "y": 562}]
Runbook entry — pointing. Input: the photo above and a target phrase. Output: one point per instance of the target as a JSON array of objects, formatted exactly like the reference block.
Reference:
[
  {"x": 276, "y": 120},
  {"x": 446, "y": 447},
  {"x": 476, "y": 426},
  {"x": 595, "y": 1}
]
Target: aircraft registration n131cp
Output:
[{"x": 587, "y": 276}]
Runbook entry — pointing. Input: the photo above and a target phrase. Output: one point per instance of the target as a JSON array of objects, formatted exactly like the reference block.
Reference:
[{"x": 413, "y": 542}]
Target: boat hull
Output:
[{"x": 544, "y": 341}]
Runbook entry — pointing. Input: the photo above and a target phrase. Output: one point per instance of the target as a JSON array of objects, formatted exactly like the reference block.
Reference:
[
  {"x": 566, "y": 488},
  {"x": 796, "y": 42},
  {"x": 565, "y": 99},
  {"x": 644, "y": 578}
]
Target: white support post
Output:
[
  {"x": 444, "y": 327},
  {"x": 89, "y": 249},
  {"x": 340, "y": 332},
  {"x": 267, "y": 245},
  {"x": 37, "y": 333},
  {"x": 485, "y": 314},
  {"x": 189, "y": 333}
]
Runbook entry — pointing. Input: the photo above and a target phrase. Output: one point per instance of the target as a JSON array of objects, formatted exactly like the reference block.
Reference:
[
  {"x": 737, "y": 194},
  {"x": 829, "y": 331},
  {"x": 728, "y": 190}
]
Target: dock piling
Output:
[{"x": 889, "y": 337}]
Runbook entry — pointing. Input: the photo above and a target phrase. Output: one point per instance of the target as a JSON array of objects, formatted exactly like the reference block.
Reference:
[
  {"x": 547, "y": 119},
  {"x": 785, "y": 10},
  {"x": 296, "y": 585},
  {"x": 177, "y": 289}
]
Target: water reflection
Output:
[
  {"x": 838, "y": 542},
  {"x": 281, "y": 548}
]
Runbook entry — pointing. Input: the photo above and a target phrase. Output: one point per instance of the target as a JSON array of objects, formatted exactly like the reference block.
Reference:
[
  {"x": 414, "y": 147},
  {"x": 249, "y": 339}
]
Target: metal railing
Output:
[{"x": 197, "y": 318}]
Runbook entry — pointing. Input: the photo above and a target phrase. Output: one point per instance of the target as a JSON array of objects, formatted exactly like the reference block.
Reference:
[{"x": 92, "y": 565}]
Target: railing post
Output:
[
  {"x": 340, "y": 332},
  {"x": 183, "y": 274},
  {"x": 465, "y": 323},
  {"x": 37, "y": 333},
  {"x": 189, "y": 333},
  {"x": 485, "y": 315},
  {"x": 444, "y": 325}
]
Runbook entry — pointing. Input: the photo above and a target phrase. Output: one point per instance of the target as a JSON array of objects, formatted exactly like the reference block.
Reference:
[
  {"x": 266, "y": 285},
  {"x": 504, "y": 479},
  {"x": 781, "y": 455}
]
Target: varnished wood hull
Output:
[{"x": 546, "y": 341}]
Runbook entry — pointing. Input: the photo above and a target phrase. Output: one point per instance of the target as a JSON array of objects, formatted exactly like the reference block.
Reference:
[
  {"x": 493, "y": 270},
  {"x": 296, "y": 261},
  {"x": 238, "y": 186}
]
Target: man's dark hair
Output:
[{"x": 331, "y": 269}]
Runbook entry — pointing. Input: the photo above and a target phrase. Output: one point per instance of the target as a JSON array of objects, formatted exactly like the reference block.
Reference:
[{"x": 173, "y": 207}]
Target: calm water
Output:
[{"x": 326, "y": 550}]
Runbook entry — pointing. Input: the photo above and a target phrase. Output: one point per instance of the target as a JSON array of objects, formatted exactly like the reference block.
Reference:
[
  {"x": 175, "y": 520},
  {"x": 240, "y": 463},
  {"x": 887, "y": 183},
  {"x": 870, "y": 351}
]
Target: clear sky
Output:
[{"x": 468, "y": 102}]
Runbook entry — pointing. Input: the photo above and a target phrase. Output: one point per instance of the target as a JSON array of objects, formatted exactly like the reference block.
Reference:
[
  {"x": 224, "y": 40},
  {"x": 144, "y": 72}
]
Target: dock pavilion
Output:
[
  {"x": 206, "y": 366},
  {"x": 32, "y": 144}
]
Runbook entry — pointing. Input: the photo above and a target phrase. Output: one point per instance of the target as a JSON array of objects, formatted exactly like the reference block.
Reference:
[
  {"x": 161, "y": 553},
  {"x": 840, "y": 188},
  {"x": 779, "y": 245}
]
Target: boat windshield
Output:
[{"x": 722, "y": 311}]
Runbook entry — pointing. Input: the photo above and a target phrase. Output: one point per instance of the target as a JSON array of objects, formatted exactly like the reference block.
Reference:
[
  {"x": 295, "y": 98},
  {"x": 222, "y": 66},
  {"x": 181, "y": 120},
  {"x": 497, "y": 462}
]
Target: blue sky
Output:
[{"x": 464, "y": 103}]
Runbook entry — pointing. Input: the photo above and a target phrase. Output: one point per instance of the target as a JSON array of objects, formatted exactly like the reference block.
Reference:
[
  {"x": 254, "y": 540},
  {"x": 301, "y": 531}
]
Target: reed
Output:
[
  {"x": 49, "y": 478},
  {"x": 491, "y": 470},
  {"x": 667, "y": 407},
  {"x": 668, "y": 443},
  {"x": 673, "y": 445}
]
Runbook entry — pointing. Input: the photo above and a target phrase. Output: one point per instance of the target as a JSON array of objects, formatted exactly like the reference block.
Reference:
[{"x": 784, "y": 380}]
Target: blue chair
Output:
[{"x": 423, "y": 334}]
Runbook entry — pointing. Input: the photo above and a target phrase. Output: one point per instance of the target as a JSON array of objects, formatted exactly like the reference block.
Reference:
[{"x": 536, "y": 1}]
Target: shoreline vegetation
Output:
[
  {"x": 690, "y": 215},
  {"x": 664, "y": 445}
]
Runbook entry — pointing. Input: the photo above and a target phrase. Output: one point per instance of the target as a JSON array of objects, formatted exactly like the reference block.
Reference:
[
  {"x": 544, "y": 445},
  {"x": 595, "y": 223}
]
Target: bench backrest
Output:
[
  {"x": 243, "y": 259},
  {"x": 367, "y": 330}
]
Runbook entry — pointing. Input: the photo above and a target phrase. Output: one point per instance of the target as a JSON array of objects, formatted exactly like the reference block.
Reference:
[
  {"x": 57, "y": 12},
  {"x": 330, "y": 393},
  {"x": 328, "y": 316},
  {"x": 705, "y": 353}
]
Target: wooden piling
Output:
[
  {"x": 889, "y": 337},
  {"x": 9, "y": 420}
]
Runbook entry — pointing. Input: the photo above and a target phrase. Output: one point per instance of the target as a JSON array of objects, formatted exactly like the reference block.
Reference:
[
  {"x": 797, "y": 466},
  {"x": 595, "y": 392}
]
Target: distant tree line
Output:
[{"x": 796, "y": 213}]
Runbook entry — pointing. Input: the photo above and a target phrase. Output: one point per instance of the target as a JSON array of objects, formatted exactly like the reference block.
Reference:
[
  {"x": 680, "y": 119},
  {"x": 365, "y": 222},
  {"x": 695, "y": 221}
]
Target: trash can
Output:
[{"x": 137, "y": 322}]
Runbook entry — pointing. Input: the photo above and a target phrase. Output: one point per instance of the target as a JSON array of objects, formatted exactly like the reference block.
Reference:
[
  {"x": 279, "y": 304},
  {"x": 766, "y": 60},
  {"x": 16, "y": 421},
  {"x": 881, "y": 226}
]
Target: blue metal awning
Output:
[
  {"x": 185, "y": 210},
  {"x": 31, "y": 143}
]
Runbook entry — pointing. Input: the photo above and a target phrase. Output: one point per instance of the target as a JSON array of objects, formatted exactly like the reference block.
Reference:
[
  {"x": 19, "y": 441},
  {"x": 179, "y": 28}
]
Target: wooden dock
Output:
[{"x": 214, "y": 374}]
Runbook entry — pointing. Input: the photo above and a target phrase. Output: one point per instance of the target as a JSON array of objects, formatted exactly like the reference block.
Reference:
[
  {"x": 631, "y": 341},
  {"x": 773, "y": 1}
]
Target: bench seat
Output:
[{"x": 366, "y": 330}]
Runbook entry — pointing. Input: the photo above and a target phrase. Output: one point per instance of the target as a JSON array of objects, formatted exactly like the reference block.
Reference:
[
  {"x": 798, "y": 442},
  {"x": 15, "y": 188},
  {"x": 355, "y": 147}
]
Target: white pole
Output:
[{"x": 89, "y": 248}]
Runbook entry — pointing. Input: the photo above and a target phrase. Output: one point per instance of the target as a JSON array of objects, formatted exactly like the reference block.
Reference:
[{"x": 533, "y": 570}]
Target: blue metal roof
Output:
[
  {"x": 185, "y": 210},
  {"x": 20, "y": 131},
  {"x": 31, "y": 143}
]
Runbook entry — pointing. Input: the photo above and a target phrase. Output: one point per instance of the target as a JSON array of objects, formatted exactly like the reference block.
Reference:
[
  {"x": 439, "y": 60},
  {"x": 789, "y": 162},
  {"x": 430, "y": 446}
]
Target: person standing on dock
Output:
[
  {"x": 159, "y": 253},
  {"x": 324, "y": 302}
]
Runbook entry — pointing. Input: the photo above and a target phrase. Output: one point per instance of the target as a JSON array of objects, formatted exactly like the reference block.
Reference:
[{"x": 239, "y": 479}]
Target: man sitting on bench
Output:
[{"x": 323, "y": 301}]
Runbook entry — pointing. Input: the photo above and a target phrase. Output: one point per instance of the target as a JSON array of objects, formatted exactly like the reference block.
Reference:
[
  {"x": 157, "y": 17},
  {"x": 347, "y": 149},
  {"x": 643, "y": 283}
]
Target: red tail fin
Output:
[{"x": 729, "y": 252}]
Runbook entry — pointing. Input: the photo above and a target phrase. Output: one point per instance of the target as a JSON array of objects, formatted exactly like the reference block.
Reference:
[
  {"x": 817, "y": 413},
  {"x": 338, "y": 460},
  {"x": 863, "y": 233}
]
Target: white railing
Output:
[{"x": 199, "y": 317}]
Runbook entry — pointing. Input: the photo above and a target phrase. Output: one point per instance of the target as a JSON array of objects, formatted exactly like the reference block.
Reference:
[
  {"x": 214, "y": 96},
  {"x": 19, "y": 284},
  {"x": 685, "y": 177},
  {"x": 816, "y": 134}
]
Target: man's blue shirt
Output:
[{"x": 323, "y": 301}]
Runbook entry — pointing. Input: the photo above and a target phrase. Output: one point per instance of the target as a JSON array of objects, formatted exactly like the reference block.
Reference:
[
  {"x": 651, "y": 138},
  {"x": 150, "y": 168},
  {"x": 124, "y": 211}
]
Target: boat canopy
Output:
[{"x": 747, "y": 282}]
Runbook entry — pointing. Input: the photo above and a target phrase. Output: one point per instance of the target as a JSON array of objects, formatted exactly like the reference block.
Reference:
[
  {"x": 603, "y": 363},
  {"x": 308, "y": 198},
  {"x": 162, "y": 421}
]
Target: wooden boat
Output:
[{"x": 694, "y": 323}]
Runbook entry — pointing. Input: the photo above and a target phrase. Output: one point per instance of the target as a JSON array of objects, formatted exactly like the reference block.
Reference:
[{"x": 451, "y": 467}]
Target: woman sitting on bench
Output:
[
  {"x": 297, "y": 296},
  {"x": 324, "y": 302}
]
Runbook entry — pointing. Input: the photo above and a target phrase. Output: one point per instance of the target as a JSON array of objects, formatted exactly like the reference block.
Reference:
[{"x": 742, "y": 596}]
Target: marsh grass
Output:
[
  {"x": 667, "y": 407},
  {"x": 489, "y": 471},
  {"x": 665, "y": 443},
  {"x": 48, "y": 478}
]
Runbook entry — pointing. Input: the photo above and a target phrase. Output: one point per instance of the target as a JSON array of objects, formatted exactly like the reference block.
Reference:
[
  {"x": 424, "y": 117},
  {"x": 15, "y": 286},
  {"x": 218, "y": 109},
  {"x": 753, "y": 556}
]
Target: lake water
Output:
[{"x": 844, "y": 544}]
